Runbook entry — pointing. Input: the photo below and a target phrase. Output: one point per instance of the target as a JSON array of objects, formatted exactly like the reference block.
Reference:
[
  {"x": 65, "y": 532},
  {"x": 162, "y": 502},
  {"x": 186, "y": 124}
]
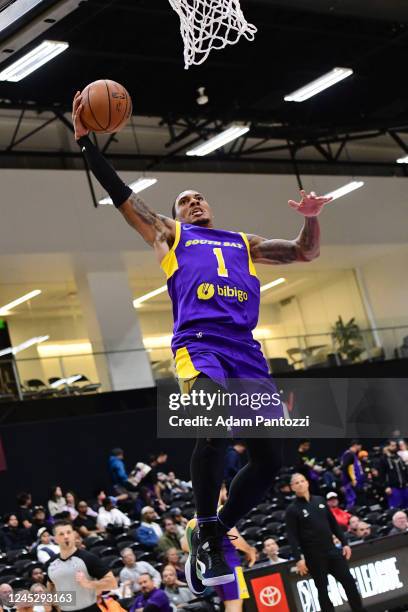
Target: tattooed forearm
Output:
[
  {"x": 154, "y": 228},
  {"x": 304, "y": 248}
]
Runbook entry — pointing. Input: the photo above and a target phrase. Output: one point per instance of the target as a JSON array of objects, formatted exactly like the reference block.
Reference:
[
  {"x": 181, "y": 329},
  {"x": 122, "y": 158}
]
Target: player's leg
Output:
[
  {"x": 318, "y": 569},
  {"x": 250, "y": 485}
]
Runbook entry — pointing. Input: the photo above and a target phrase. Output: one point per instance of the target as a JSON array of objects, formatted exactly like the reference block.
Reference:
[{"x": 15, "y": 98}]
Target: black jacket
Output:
[
  {"x": 311, "y": 526},
  {"x": 393, "y": 471}
]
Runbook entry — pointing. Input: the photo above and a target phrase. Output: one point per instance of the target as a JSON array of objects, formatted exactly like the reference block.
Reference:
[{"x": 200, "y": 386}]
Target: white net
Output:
[{"x": 210, "y": 24}]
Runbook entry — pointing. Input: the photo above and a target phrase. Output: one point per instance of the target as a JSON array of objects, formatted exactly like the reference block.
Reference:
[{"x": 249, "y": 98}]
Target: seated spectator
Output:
[
  {"x": 403, "y": 451},
  {"x": 170, "y": 538},
  {"x": 150, "y": 598},
  {"x": 46, "y": 549},
  {"x": 180, "y": 521},
  {"x": 110, "y": 515},
  {"x": 12, "y": 536},
  {"x": 5, "y": 592},
  {"x": 38, "y": 522},
  {"x": 149, "y": 531},
  {"x": 70, "y": 505},
  {"x": 400, "y": 523},
  {"x": 41, "y": 607},
  {"x": 37, "y": 575},
  {"x": 79, "y": 542},
  {"x": 133, "y": 569},
  {"x": 352, "y": 526},
  {"x": 57, "y": 501},
  {"x": 23, "y": 513},
  {"x": 173, "y": 557},
  {"x": 85, "y": 523},
  {"x": 96, "y": 502},
  {"x": 271, "y": 551},
  {"x": 341, "y": 516},
  {"x": 177, "y": 594},
  {"x": 363, "y": 531}
]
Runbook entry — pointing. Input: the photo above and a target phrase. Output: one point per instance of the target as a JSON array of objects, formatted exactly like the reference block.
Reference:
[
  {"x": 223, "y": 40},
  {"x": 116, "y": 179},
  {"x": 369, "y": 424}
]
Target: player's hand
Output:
[
  {"x": 250, "y": 556},
  {"x": 302, "y": 568},
  {"x": 347, "y": 552},
  {"x": 310, "y": 205},
  {"x": 83, "y": 580},
  {"x": 80, "y": 129}
]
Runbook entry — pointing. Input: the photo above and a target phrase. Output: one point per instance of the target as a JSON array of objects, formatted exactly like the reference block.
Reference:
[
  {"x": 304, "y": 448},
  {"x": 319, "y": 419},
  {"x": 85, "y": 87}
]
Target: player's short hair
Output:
[
  {"x": 62, "y": 523},
  {"x": 116, "y": 452},
  {"x": 355, "y": 442},
  {"x": 173, "y": 209}
]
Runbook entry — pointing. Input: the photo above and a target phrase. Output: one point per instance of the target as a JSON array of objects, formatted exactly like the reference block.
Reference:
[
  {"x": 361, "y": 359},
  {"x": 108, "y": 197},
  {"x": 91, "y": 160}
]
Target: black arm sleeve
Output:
[
  {"x": 104, "y": 172},
  {"x": 293, "y": 533},
  {"x": 95, "y": 566},
  {"x": 335, "y": 527}
]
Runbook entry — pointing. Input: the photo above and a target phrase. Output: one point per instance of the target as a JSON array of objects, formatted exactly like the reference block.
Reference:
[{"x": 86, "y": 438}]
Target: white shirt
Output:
[
  {"x": 155, "y": 526},
  {"x": 112, "y": 517},
  {"x": 278, "y": 560},
  {"x": 42, "y": 555}
]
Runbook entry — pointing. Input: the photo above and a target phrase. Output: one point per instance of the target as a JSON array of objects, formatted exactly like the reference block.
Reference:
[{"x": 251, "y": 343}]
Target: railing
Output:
[{"x": 66, "y": 375}]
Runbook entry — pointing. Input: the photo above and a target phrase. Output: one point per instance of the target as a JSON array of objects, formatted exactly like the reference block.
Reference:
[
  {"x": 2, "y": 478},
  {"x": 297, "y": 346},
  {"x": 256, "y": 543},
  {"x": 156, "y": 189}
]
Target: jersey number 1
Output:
[{"x": 221, "y": 270}]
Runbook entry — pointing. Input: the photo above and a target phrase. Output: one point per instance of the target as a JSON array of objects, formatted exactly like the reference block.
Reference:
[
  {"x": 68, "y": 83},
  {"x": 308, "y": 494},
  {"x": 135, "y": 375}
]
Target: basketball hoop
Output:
[{"x": 210, "y": 24}]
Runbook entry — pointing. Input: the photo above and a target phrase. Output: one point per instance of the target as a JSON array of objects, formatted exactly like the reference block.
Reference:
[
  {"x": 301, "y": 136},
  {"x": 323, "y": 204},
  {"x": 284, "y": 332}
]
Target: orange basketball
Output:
[{"x": 107, "y": 106}]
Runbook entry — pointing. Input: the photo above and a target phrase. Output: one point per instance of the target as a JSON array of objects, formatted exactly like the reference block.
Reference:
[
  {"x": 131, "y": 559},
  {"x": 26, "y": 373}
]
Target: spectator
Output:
[
  {"x": 38, "y": 522},
  {"x": 70, "y": 505},
  {"x": 5, "y": 592},
  {"x": 85, "y": 523},
  {"x": 150, "y": 482},
  {"x": 40, "y": 589},
  {"x": 173, "y": 557},
  {"x": 12, "y": 536},
  {"x": 306, "y": 465},
  {"x": 394, "y": 474},
  {"x": 400, "y": 523},
  {"x": 96, "y": 502},
  {"x": 341, "y": 516},
  {"x": 57, "y": 502},
  {"x": 352, "y": 475},
  {"x": 403, "y": 451},
  {"x": 352, "y": 526},
  {"x": 271, "y": 551},
  {"x": 180, "y": 521},
  {"x": 23, "y": 513},
  {"x": 46, "y": 549},
  {"x": 79, "y": 542},
  {"x": 177, "y": 594},
  {"x": 170, "y": 538},
  {"x": 37, "y": 575},
  {"x": 117, "y": 468},
  {"x": 283, "y": 491},
  {"x": 151, "y": 598},
  {"x": 363, "y": 531},
  {"x": 234, "y": 461},
  {"x": 149, "y": 531},
  {"x": 332, "y": 475},
  {"x": 133, "y": 569},
  {"x": 109, "y": 515}
]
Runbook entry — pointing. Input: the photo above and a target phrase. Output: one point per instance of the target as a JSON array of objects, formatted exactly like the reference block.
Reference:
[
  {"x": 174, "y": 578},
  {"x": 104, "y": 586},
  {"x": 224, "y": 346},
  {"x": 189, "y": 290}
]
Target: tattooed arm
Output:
[
  {"x": 305, "y": 247},
  {"x": 157, "y": 230}
]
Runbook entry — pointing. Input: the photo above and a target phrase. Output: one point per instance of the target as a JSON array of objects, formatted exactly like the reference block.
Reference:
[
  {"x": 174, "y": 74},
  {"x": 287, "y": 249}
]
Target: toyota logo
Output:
[{"x": 270, "y": 596}]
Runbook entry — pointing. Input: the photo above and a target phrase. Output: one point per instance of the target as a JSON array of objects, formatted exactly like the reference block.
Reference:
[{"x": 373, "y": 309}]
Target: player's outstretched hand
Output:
[
  {"x": 80, "y": 129},
  {"x": 310, "y": 205}
]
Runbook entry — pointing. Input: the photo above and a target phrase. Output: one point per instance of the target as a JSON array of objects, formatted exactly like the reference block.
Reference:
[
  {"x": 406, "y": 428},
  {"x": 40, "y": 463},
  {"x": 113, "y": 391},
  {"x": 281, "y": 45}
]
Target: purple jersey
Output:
[{"x": 212, "y": 283}]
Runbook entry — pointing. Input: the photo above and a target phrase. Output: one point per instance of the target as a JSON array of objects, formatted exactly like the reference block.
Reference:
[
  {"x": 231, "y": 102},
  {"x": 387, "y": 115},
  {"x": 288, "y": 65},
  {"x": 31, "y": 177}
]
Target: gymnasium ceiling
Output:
[{"x": 357, "y": 127}]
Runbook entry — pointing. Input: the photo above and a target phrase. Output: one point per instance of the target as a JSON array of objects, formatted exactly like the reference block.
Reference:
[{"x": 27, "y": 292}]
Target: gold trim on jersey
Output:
[
  {"x": 169, "y": 263},
  {"x": 242, "y": 585},
  {"x": 186, "y": 372},
  {"x": 252, "y": 269}
]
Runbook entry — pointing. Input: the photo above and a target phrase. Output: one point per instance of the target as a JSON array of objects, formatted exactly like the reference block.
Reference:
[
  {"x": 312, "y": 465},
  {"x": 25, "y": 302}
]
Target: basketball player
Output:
[{"x": 212, "y": 341}]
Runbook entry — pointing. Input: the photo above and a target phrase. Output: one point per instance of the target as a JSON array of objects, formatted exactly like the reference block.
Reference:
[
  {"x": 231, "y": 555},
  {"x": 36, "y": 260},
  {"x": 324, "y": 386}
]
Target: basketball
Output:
[{"x": 107, "y": 106}]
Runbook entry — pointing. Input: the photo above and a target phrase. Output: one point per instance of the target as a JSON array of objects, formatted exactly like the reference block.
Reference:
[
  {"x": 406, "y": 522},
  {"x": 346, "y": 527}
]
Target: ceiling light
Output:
[
  {"x": 342, "y": 191},
  {"x": 318, "y": 85},
  {"x": 24, "y": 298},
  {"x": 402, "y": 160},
  {"x": 16, "y": 10},
  {"x": 274, "y": 283},
  {"x": 63, "y": 348},
  {"x": 138, "y": 301},
  {"x": 33, "y": 60},
  {"x": 24, "y": 345},
  {"x": 233, "y": 132},
  {"x": 139, "y": 185}
]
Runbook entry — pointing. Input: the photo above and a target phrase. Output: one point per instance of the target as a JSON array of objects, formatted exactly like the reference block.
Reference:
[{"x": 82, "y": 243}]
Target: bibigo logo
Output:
[
  {"x": 270, "y": 596},
  {"x": 205, "y": 291}
]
